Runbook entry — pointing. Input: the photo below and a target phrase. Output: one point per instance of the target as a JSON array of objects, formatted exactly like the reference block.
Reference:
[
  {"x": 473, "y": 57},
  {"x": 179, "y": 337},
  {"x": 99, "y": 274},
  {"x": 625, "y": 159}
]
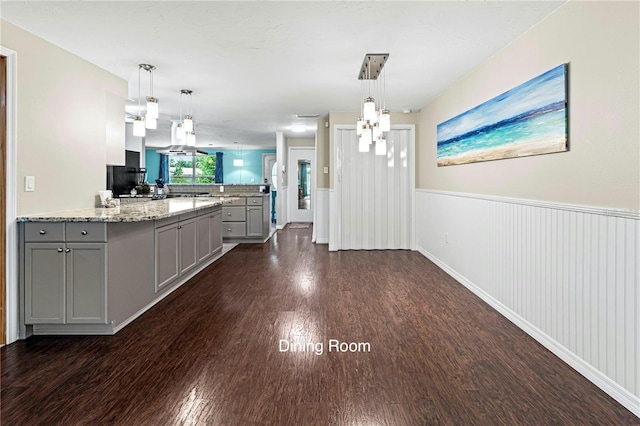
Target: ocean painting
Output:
[{"x": 529, "y": 119}]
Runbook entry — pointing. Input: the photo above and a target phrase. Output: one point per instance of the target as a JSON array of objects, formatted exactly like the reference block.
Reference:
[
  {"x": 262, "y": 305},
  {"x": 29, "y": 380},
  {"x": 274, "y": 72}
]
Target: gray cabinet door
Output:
[
  {"x": 204, "y": 237},
  {"x": 167, "y": 266},
  {"x": 254, "y": 221},
  {"x": 188, "y": 250},
  {"x": 215, "y": 220},
  {"x": 86, "y": 287},
  {"x": 44, "y": 283}
]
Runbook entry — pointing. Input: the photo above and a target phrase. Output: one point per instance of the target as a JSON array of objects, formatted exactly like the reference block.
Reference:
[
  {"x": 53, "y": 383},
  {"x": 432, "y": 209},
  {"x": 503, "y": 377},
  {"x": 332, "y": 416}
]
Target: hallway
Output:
[{"x": 212, "y": 352}]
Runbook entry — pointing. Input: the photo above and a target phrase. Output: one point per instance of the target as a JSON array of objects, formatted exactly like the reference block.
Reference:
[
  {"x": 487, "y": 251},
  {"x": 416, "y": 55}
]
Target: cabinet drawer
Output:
[
  {"x": 234, "y": 214},
  {"x": 238, "y": 202},
  {"x": 86, "y": 232},
  {"x": 254, "y": 201},
  {"x": 234, "y": 229},
  {"x": 44, "y": 231}
]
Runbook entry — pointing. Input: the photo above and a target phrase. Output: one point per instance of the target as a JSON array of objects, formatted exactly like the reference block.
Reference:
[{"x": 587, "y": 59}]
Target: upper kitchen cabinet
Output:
[{"x": 115, "y": 129}]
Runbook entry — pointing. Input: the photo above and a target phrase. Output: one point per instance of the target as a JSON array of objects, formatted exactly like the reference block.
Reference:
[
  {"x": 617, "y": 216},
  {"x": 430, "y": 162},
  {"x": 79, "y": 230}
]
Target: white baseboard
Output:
[{"x": 613, "y": 389}]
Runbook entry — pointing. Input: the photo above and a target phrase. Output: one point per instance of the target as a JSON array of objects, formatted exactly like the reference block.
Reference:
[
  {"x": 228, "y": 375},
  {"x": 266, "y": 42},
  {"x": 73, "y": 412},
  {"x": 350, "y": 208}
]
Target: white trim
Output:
[
  {"x": 322, "y": 216},
  {"x": 602, "y": 211},
  {"x": 11, "y": 198},
  {"x": 617, "y": 392},
  {"x": 293, "y": 192}
]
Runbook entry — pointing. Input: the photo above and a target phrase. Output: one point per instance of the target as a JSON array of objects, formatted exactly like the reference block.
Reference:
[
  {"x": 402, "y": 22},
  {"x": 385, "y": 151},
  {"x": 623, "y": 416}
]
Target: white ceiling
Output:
[{"x": 254, "y": 65}]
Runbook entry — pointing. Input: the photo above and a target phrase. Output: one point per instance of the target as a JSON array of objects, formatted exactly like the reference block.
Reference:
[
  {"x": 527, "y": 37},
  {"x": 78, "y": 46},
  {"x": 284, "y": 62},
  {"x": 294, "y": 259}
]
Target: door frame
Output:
[
  {"x": 11, "y": 248},
  {"x": 293, "y": 178},
  {"x": 335, "y": 204}
]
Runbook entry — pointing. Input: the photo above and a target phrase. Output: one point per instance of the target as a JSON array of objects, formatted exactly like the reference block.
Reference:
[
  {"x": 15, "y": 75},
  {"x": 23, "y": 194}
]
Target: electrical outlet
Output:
[
  {"x": 221, "y": 188},
  {"x": 326, "y": 170}
]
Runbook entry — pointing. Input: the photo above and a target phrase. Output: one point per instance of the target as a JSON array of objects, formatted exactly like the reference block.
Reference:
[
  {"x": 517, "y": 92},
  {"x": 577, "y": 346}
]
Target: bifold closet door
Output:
[{"x": 375, "y": 195}]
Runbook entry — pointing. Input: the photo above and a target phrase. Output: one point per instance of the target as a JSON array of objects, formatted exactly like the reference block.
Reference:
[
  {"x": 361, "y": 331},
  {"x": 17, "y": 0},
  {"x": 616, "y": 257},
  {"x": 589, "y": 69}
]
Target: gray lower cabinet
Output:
[
  {"x": 167, "y": 260},
  {"x": 215, "y": 235},
  {"x": 44, "y": 269},
  {"x": 188, "y": 248},
  {"x": 181, "y": 246},
  {"x": 254, "y": 221},
  {"x": 86, "y": 284},
  {"x": 65, "y": 283}
]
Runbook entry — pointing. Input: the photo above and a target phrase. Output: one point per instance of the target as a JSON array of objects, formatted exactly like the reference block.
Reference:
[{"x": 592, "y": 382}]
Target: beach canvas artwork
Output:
[{"x": 530, "y": 119}]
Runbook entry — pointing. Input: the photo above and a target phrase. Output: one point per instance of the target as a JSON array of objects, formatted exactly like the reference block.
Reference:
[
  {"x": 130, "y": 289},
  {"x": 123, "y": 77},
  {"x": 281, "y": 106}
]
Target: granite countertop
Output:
[{"x": 130, "y": 212}]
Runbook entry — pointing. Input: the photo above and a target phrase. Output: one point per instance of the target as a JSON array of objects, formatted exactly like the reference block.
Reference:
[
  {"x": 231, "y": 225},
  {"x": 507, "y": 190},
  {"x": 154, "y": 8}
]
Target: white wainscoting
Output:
[
  {"x": 567, "y": 275},
  {"x": 281, "y": 208},
  {"x": 321, "y": 224}
]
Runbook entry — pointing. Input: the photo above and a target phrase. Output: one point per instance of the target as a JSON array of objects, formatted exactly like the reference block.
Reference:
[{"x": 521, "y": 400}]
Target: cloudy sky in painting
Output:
[{"x": 546, "y": 89}]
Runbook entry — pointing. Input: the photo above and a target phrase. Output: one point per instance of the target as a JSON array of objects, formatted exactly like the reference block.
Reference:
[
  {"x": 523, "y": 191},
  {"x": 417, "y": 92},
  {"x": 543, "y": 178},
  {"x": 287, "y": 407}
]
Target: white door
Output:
[
  {"x": 375, "y": 193},
  {"x": 301, "y": 184}
]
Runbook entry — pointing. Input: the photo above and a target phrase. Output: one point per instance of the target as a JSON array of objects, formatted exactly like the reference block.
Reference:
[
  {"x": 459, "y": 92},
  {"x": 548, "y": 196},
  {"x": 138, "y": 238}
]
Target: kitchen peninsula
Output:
[{"x": 93, "y": 271}]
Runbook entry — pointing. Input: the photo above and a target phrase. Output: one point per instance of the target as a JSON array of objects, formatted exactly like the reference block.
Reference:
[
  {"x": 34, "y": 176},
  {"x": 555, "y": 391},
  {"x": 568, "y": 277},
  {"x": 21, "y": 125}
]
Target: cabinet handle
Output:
[
  {"x": 254, "y": 201},
  {"x": 84, "y": 232},
  {"x": 180, "y": 227},
  {"x": 42, "y": 232},
  {"x": 59, "y": 250},
  {"x": 67, "y": 250}
]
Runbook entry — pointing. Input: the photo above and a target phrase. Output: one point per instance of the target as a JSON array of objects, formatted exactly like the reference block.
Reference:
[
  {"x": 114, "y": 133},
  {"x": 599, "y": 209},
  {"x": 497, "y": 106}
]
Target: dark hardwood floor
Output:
[{"x": 210, "y": 353}]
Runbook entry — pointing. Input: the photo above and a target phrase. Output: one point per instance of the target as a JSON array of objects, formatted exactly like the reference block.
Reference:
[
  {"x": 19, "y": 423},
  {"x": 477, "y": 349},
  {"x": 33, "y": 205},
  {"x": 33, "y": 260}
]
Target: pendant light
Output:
[
  {"x": 138, "y": 122},
  {"x": 187, "y": 123},
  {"x": 381, "y": 146},
  {"x": 152, "y": 103},
  {"x": 373, "y": 122},
  {"x": 138, "y": 127}
]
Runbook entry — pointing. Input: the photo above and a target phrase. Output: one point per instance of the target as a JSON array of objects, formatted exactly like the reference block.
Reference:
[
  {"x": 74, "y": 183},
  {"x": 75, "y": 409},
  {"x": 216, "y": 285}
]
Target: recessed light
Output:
[{"x": 298, "y": 128}]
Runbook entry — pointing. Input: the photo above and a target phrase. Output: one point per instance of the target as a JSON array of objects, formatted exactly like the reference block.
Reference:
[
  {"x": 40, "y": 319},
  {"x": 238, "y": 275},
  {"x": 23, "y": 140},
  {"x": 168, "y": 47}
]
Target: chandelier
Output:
[
  {"x": 374, "y": 119},
  {"x": 150, "y": 118}
]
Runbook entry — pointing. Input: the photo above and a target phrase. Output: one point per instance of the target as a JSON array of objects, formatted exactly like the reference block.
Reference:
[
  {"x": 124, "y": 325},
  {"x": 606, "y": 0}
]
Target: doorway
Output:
[
  {"x": 374, "y": 204},
  {"x": 301, "y": 184}
]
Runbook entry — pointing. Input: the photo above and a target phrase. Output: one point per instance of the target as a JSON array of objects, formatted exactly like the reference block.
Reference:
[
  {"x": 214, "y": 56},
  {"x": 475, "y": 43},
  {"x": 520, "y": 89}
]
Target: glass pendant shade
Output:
[
  {"x": 377, "y": 131},
  {"x": 152, "y": 108},
  {"x": 191, "y": 139},
  {"x": 359, "y": 125},
  {"x": 385, "y": 120},
  {"x": 151, "y": 123},
  {"x": 363, "y": 144},
  {"x": 369, "y": 110},
  {"x": 381, "y": 146},
  {"x": 138, "y": 127},
  {"x": 188, "y": 124},
  {"x": 180, "y": 133},
  {"x": 366, "y": 134}
]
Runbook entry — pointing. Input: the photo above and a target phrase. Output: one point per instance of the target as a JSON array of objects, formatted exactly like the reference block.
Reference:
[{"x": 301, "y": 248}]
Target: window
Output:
[{"x": 192, "y": 168}]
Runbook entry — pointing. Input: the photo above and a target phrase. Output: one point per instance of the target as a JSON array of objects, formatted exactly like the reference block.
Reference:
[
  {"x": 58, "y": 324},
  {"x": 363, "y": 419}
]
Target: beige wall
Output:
[
  {"x": 300, "y": 142},
  {"x": 350, "y": 118},
  {"x": 600, "y": 42},
  {"x": 322, "y": 153},
  {"x": 62, "y": 119}
]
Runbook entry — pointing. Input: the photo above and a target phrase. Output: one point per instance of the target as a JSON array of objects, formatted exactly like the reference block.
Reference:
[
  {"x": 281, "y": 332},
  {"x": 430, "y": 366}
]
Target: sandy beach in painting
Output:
[{"x": 536, "y": 147}]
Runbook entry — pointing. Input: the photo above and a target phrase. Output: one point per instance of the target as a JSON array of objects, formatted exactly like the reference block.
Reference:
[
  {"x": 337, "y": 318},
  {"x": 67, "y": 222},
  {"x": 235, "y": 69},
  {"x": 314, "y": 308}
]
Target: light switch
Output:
[
  {"x": 29, "y": 183},
  {"x": 221, "y": 188},
  {"x": 326, "y": 170}
]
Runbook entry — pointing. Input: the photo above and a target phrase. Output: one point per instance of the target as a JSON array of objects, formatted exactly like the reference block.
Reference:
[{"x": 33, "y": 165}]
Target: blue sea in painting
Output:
[{"x": 534, "y": 111}]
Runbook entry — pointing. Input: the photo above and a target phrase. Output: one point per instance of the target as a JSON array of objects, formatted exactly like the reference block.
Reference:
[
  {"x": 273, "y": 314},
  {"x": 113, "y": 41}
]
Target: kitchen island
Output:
[{"x": 93, "y": 271}]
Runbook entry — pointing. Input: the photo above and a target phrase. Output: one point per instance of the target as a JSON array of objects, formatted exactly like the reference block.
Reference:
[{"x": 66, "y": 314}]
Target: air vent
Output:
[{"x": 307, "y": 115}]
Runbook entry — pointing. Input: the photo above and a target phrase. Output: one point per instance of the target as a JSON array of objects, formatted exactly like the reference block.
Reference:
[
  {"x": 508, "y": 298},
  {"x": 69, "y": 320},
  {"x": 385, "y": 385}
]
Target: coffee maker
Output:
[{"x": 158, "y": 192}]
